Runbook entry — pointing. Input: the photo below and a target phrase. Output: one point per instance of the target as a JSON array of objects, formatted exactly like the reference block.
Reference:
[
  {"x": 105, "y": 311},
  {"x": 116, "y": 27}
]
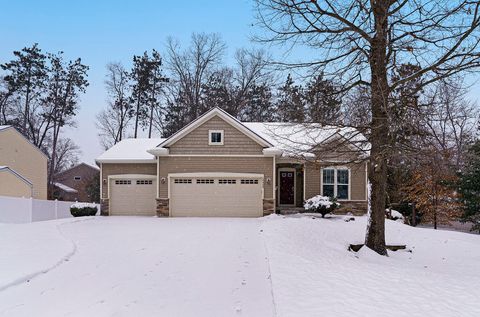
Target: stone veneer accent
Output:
[
  {"x": 357, "y": 208},
  {"x": 163, "y": 206},
  {"x": 268, "y": 206},
  {"x": 104, "y": 207}
]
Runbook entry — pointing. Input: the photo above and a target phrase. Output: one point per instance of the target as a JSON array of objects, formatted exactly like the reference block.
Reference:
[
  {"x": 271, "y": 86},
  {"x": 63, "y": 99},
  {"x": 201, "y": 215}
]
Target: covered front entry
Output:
[
  {"x": 286, "y": 180},
  {"x": 216, "y": 195},
  {"x": 133, "y": 195},
  {"x": 290, "y": 182}
]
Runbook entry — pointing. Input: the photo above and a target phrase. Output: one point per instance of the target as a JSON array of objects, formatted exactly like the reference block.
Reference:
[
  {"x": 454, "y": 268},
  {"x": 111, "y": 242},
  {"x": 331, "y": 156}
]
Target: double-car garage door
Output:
[
  {"x": 216, "y": 196},
  {"x": 191, "y": 195}
]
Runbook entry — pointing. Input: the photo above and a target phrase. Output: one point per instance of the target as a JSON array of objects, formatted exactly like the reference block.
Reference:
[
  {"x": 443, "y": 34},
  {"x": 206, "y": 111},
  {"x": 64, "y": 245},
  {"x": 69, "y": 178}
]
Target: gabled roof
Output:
[
  {"x": 207, "y": 116},
  {"x": 78, "y": 165},
  {"x": 8, "y": 169},
  {"x": 7, "y": 127},
  {"x": 130, "y": 151}
]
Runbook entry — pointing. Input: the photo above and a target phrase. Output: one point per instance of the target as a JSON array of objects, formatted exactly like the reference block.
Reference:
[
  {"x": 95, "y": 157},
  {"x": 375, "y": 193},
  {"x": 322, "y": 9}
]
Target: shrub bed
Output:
[
  {"x": 83, "y": 209},
  {"x": 321, "y": 204}
]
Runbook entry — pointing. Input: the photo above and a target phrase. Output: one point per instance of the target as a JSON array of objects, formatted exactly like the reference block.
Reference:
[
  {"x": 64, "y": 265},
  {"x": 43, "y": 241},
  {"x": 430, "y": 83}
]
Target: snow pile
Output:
[
  {"x": 83, "y": 205},
  {"x": 395, "y": 215},
  {"x": 317, "y": 202}
]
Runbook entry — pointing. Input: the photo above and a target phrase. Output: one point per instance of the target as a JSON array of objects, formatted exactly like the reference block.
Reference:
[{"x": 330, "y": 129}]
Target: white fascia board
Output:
[
  {"x": 125, "y": 161},
  {"x": 15, "y": 173},
  {"x": 159, "y": 151},
  {"x": 132, "y": 176},
  {"x": 216, "y": 174}
]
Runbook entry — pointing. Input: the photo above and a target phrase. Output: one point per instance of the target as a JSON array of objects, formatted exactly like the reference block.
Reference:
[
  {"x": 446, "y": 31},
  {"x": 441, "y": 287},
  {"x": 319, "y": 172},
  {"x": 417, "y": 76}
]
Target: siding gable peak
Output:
[{"x": 215, "y": 112}]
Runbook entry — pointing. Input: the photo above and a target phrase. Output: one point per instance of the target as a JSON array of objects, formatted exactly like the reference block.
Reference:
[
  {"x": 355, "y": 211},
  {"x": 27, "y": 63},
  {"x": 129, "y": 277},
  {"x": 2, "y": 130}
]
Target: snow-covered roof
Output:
[
  {"x": 65, "y": 188},
  {"x": 298, "y": 139},
  {"x": 130, "y": 150},
  {"x": 3, "y": 127}
]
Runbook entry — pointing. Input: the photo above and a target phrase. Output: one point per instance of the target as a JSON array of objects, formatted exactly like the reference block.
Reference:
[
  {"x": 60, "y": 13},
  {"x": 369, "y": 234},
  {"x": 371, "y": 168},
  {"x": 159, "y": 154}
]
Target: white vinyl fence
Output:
[{"x": 23, "y": 210}]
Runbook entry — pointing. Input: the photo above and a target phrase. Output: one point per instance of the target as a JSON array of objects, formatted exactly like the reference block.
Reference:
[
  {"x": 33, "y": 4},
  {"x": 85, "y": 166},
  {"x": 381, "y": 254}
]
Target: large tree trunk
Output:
[{"x": 375, "y": 238}]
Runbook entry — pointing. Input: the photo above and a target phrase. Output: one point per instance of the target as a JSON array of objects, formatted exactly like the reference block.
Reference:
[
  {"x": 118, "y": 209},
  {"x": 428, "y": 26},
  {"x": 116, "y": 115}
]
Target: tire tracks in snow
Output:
[
  {"x": 267, "y": 259},
  {"x": 27, "y": 278}
]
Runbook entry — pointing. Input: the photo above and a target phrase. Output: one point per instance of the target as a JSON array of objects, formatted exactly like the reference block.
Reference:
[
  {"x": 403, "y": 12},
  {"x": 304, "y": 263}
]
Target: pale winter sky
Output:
[{"x": 114, "y": 30}]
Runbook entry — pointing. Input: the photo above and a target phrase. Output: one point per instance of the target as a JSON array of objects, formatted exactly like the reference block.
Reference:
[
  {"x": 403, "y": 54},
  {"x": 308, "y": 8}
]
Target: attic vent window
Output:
[
  {"x": 215, "y": 137},
  {"x": 77, "y": 178}
]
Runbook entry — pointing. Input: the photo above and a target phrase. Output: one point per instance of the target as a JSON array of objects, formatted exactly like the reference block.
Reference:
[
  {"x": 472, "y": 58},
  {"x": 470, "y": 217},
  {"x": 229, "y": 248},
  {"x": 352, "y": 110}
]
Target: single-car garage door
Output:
[
  {"x": 133, "y": 196},
  {"x": 216, "y": 196}
]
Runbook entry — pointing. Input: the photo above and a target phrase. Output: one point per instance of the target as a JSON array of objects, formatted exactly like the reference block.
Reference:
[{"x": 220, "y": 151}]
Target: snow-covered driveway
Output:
[{"x": 125, "y": 266}]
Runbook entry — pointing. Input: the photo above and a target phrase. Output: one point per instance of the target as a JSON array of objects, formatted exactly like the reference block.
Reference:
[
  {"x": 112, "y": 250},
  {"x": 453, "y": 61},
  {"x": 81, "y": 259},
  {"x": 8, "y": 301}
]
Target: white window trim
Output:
[
  {"x": 335, "y": 184},
  {"x": 288, "y": 169},
  {"x": 210, "y": 137}
]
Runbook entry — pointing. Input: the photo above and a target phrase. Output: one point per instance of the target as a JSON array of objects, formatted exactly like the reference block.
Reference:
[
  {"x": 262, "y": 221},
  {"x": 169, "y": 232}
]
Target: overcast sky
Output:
[{"x": 104, "y": 31}]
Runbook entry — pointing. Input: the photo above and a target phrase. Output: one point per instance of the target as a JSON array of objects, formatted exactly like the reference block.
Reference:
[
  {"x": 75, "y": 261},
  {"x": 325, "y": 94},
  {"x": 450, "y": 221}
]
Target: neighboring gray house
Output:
[{"x": 219, "y": 166}]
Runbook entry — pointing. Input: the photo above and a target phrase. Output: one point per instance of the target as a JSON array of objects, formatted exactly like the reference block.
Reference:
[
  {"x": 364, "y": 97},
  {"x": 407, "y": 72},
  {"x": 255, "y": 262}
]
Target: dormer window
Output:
[{"x": 215, "y": 137}]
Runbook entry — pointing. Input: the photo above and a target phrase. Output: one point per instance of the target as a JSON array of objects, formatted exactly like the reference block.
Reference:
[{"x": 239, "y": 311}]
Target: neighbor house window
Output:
[
  {"x": 215, "y": 137},
  {"x": 335, "y": 182},
  {"x": 77, "y": 178}
]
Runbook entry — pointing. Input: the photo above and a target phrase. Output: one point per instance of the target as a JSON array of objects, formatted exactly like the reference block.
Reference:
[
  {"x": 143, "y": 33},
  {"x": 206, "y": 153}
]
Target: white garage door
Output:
[
  {"x": 216, "y": 196},
  {"x": 130, "y": 196}
]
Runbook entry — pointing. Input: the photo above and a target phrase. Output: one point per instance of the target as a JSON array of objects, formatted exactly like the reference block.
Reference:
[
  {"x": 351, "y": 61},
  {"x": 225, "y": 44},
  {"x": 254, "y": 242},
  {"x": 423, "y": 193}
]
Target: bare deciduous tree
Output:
[
  {"x": 191, "y": 68},
  {"x": 362, "y": 43},
  {"x": 117, "y": 85}
]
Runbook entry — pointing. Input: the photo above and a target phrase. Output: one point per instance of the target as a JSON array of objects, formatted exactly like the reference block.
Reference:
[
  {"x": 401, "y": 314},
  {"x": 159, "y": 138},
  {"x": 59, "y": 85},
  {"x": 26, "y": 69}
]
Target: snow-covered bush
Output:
[
  {"x": 83, "y": 209},
  {"x": 394, "y": 215},
  {"x": 320, "y": 204}
]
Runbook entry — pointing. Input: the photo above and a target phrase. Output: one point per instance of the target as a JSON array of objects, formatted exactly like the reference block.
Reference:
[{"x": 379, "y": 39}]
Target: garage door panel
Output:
[
  {"x": 216, "y": 197},
  {"x": 133, "y": 197}
]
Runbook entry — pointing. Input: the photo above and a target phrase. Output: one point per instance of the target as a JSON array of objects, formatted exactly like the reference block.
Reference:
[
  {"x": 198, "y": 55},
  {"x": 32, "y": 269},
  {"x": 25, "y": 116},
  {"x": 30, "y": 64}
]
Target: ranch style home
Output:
[{"x": 218, "y": 166}]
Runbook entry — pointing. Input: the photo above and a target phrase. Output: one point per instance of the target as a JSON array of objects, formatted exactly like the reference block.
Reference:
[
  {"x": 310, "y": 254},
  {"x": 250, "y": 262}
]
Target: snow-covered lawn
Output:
[{"x": 274, "y": 266}]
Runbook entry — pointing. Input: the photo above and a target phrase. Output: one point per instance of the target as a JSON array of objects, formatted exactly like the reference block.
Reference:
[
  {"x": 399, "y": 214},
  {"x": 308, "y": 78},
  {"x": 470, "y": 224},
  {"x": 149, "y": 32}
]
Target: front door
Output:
[{"x": 287, "y": 187}]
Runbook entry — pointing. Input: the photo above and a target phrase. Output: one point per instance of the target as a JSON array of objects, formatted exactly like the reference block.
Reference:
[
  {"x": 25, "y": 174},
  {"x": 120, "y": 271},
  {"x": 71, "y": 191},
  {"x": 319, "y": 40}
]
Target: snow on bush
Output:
[
  {"x": 83, "y": 205},
  {"x": 83, "y": 209},
  {"x": 320, "y": 204},
  {"x": 394, "y": 215}
]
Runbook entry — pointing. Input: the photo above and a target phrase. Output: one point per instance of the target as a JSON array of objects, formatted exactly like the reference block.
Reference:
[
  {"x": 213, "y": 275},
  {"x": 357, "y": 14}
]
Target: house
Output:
[
  {"x": 219, "y": 166},
  {"x": 71, "y": 184},
  {"x": 23, "y": 166}
]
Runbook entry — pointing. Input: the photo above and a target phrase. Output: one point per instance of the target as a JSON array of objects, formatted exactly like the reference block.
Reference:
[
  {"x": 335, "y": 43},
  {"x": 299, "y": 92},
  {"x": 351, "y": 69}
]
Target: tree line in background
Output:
[
  {"x": 188, "y": 82},
  {"x": 39, "y": 96}
]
